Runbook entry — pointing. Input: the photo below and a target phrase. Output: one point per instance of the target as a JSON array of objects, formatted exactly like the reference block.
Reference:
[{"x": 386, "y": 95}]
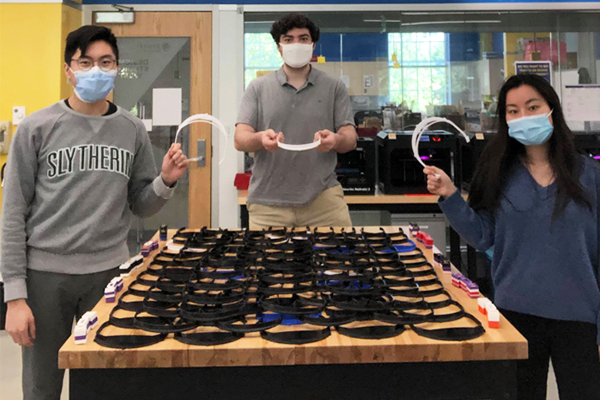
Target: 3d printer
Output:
[
  {"x": 400, "y": 173},
  {"x": 356, "y": 170}
]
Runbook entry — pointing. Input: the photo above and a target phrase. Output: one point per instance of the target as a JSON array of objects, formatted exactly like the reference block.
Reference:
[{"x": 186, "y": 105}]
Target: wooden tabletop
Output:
[
  {"x": 496, "y": 344},
  {"x": 377, "y": 198}
]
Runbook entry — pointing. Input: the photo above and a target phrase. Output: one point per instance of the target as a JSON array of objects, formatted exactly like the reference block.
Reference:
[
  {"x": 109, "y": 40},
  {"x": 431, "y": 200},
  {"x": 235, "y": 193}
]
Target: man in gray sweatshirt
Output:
[{"x": 76, "y": 172}]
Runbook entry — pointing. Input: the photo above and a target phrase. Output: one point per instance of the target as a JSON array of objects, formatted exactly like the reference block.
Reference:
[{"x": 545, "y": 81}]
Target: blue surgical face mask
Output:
[
  {"x": 532, "y": 130},
  {"x": 94, "y": 85}
]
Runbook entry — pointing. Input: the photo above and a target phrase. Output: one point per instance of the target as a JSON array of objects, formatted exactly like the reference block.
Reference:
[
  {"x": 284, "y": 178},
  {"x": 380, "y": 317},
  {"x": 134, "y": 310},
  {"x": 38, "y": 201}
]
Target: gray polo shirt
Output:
[{"x": 289, "y": 178}]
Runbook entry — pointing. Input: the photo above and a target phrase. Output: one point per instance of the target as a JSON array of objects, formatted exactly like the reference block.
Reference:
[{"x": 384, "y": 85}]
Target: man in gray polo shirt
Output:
[{"x": 297, "y": 104}]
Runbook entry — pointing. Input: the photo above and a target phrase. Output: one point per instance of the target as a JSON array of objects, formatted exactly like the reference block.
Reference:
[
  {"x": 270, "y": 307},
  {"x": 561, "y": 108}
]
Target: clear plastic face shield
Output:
[
  {"x": 209, "y": 119},
  {"x": 425, "y": 125}
]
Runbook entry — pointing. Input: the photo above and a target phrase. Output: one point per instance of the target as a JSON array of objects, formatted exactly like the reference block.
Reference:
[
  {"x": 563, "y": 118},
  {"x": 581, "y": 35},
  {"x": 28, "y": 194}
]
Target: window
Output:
[
  {"x": 417, "y": 64},
  {"x": 458, "y": 59},
  {"x": 260, "y": 54}
]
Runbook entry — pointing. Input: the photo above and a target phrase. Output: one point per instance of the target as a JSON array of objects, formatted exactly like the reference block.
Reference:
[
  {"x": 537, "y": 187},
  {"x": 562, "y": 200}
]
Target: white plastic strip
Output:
[
  {"x": 209, "y": 119},
  {"x": 422, "y": 127},
  {"x": 299, "y": 147}
]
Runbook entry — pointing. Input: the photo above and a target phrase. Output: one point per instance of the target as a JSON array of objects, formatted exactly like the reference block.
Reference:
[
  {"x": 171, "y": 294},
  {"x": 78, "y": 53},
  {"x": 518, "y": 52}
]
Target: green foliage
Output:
[
  {"x": 260, "y": 54},
  {"x": 421, "y": 78}
]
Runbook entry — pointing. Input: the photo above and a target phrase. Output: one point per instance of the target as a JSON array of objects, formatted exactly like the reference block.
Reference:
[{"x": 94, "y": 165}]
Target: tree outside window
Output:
[
  {"x": 420, "y": 79},
  {"x": 260, "y": 54}
]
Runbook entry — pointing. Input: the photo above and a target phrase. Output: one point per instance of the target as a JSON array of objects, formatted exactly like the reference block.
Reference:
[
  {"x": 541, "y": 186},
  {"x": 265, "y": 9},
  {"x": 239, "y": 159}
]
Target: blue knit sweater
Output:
[{"x": 543, "y": 267}]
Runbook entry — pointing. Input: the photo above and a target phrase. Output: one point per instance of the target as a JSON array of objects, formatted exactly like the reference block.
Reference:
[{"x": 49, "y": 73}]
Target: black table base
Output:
[{"x": 411, "y": 381}]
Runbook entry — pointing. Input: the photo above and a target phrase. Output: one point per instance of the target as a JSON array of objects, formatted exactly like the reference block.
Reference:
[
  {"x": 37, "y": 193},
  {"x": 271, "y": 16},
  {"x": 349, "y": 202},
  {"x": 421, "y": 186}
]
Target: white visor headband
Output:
[
  {"x": 422, "y": 127},
  {"x": 209, "y": 119},
  {"x": 299, "y": 147}
]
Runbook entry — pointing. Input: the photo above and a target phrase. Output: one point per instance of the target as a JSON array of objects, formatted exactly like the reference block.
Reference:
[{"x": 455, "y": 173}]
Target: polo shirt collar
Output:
[{"x": 282, "y": 78}]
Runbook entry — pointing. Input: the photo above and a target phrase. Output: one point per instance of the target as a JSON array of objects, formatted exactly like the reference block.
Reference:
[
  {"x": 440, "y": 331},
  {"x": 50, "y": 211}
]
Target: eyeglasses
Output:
[{"x": 106, "y": 64}]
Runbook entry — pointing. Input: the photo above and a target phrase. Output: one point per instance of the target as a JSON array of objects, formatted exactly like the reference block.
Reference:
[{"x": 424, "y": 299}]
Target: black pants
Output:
[{"x": 571, "y": 346}]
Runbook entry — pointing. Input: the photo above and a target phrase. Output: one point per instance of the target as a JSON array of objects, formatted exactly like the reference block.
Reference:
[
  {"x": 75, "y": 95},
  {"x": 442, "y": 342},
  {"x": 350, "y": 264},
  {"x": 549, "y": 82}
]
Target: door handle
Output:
[{"x": 201, "y": 146}]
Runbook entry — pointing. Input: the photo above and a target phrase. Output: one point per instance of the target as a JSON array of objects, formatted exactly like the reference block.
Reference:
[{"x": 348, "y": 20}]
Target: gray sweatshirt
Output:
[{"x": 72, "y": 183}]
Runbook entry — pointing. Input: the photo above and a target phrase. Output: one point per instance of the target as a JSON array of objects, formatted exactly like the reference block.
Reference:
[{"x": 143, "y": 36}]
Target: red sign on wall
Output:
[{"x": 548, "y": 51}]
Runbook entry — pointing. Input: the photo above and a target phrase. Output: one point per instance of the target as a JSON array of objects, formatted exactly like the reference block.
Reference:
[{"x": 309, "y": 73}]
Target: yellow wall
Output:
[
  {"x": 31, "y": 46},
  {"x": 71, "y": 20},
  {"x": 30, "y": 58},
  {"x": 511, "y": 53}
]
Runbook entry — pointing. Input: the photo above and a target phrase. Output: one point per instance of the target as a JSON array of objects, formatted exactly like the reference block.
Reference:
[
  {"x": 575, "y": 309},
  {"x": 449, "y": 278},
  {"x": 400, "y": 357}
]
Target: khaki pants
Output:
[{"x": 328, "y": 209}]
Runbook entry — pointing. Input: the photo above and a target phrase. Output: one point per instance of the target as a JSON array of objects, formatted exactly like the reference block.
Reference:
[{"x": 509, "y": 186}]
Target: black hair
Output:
[
  {"x": 81, "y": 38},
  {"x": 291, "y": 21},
  {"x": 501, "y": 156}
]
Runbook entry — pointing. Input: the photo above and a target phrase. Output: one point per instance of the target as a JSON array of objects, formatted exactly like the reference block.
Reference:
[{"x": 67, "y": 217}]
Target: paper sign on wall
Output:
[
  {"x": 346, "y": 80},
  {"x": 166, "y": 107},
  {"x": 148, "y": 124},
  {"x": 581, "y": 102},
  {"x": 541, "y": 68}
]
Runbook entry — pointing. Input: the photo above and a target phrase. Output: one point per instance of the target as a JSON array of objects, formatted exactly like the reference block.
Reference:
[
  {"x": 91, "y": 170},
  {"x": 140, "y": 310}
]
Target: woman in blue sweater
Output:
[{"x": 537, "y": 200}]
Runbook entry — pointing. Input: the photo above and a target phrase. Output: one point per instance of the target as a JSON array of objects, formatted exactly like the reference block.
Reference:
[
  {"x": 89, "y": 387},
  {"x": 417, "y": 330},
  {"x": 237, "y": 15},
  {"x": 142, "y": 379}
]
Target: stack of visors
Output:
[{"x": 289, "y": 286}]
